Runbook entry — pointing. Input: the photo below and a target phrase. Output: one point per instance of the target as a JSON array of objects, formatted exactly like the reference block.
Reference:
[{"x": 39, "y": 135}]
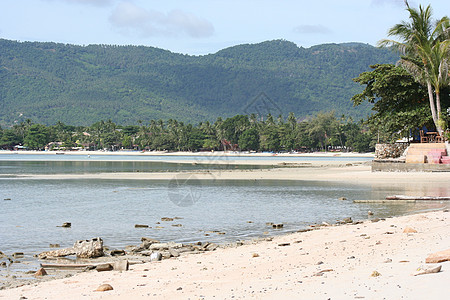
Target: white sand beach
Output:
[{"x": 363, "y": 261}]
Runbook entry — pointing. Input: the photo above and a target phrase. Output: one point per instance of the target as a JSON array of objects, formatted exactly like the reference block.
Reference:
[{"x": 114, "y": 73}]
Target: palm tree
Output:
[{"x": 425, "y": 47}]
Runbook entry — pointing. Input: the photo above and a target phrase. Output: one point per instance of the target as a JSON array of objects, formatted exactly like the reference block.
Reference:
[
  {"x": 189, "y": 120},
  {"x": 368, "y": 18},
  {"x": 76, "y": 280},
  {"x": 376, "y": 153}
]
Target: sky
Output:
[{"x": 199, "y": 27}]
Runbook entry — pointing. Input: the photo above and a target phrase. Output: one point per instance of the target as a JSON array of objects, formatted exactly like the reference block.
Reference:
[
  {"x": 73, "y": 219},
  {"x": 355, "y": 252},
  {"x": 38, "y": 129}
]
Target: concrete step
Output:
[
  {"x": 428, "y": 146},
  {"x": 415, "y": 159},
  {"x": 431, "y": 153}
]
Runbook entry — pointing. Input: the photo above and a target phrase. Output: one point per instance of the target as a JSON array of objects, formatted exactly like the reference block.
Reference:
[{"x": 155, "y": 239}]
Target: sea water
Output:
[{"x": 31, "y": 210}]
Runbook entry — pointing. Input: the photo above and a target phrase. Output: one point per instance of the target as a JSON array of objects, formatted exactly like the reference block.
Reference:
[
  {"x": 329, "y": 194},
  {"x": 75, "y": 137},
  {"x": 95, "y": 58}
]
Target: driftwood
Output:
[
  {"x": 82, "y": 249},
  {"x": 75, "y": 266},
  {"x": 120, "y": 265},
  {"x": 66, "y": 266},
  {"x": 430, "y": 198},
  {"x": 385, "y": 201}
]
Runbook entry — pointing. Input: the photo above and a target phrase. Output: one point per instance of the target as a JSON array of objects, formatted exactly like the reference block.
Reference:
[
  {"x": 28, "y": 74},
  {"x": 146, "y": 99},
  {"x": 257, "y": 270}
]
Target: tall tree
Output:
[{"x": 425, "y": 47}]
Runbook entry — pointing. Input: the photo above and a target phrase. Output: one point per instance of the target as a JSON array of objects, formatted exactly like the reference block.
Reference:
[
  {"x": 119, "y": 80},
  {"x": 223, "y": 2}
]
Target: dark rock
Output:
[
  {"x": 342, "y": 198},
  {"x": 166, "y": 219},
  {"x": 348, "y": 220},
  {"x": 140, "y": 226},
  {"x": 375, "y": 220},
  {"x": 284, "y": 244},
  {"x": 66, "y": 225},
  {"x": 104, "y": 267},
  {"x": 55, "y": 246},
  {"x": 211, "y": 247},
  {"x": 88, "y": 268},
  {"x": 7, "y": 199},
  {"x": 3, "y": 264},
  {"x": 17, "y": 254},
  {"x": 117, "y": 252},
  {"x": 2, "y": 254},
  {"x": 277, "y": 226}
]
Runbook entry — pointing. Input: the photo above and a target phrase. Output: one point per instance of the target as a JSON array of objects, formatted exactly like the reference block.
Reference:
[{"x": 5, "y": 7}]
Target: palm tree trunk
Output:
[
  {"x": 438, "y": 107},
  {"x": 432, "y": 105}
]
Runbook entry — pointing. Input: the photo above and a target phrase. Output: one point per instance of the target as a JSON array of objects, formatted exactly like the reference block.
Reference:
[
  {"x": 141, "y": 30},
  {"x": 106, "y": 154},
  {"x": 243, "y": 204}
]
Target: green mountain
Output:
[{"x": 79, "y": 85}]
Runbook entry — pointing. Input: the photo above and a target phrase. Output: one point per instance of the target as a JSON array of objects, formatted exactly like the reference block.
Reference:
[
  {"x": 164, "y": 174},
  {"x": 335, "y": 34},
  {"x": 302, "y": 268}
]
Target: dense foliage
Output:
[
  {"x": 424, "y": 44},
  {"x": 50, "y": 82},
  {"x": 247, "y": 133},
  {"x": 400, "y": 103}
]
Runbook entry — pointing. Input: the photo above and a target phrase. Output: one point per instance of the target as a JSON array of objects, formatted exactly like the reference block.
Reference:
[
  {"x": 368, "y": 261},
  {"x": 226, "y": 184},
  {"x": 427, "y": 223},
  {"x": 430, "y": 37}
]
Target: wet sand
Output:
[{"x": 359, "y": 173}]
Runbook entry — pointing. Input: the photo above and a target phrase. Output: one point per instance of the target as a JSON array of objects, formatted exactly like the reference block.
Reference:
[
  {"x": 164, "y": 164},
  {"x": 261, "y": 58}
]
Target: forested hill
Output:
[{"x": 79, "y": 85}]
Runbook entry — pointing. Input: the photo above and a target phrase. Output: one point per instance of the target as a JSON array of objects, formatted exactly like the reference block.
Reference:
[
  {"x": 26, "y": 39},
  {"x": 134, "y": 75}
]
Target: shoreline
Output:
[
  {"x": 187, "y": 153},
  {"x": 332, "y": 261}
]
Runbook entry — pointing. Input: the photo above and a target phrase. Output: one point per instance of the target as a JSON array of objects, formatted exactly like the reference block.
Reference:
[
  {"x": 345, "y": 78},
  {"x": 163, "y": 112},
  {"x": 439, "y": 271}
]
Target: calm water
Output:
[
  {"x": 62, "y": 164},
  {"x": 110, "y": 208}
]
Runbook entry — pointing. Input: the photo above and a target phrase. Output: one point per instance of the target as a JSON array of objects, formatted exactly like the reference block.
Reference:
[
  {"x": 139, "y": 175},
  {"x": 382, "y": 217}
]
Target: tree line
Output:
[{"x": 324, "y": 132}]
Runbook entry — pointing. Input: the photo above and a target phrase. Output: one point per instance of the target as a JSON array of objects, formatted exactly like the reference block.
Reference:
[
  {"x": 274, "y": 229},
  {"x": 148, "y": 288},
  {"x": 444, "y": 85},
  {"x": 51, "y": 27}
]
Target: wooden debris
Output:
[
  {"x": 429, "y": 198},
  {"x": 427, "y": 270}
]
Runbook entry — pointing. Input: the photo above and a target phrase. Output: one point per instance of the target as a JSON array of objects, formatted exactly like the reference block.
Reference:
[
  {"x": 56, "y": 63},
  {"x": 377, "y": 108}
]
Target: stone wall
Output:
[{"x": 383, "y": 151}]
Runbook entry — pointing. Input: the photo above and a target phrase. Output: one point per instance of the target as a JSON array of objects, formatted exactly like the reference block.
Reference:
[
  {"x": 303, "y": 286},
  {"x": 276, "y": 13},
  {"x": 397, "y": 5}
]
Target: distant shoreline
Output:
[{"x": 186, "y": 153}]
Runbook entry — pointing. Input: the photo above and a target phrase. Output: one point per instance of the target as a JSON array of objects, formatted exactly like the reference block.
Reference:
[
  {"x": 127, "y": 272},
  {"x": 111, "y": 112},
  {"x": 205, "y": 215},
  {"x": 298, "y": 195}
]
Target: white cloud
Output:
[
  {"x": 89, "y": 2},
  {"x": 132, "y": 19},
  {"x": 400, "y": 3},
  {"x": 312, "y": 29}
]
